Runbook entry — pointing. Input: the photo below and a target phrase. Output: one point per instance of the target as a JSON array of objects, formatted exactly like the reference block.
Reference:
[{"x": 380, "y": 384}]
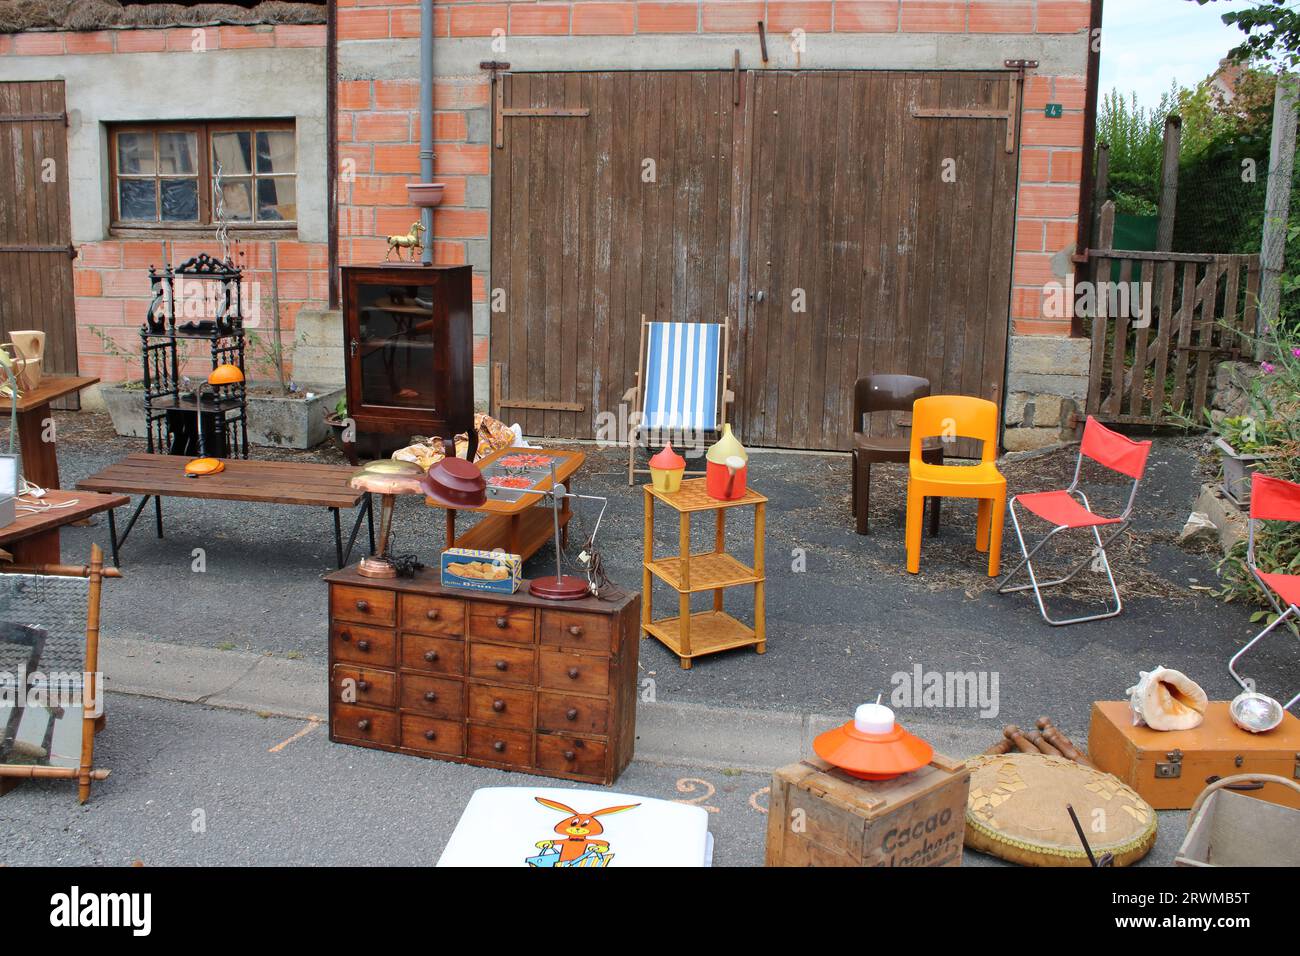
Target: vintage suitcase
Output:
[
  {"x": 1170, "y": 768},
  {"x": 819, "y": 815}
]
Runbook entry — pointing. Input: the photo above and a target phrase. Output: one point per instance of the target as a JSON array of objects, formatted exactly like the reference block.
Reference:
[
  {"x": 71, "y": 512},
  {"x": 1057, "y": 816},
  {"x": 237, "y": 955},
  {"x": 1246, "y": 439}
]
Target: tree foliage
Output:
[{"x": 1271, "y": 28}]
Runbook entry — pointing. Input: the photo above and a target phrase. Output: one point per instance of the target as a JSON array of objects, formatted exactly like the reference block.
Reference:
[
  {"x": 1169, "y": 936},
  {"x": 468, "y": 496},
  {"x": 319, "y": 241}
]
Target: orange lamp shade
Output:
[
  {"x": 667, "y": 459},
  {"x": 872, "y": 746},
  {"x": 226, "y": 374}
]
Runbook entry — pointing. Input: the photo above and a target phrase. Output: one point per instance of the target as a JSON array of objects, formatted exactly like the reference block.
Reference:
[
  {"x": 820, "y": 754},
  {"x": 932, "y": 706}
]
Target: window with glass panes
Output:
[{"x": 176, "y": 175}]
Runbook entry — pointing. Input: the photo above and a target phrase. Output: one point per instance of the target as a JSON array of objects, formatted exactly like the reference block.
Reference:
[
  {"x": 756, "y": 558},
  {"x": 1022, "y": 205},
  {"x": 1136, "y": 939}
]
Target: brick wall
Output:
[
  {"x": 378, "y": 119},
  {"x": 111, "y": 281},
  {"x": 378, "y": 131},
  {"x": 110, "y": 276}
]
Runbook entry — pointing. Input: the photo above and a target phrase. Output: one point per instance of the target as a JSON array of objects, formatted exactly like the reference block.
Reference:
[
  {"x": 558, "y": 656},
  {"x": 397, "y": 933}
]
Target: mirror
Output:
[{"x": 50, "y": 703}]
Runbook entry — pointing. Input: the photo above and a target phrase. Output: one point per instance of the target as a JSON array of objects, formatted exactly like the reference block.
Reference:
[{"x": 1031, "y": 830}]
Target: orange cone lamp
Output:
[
  {"x": 226, "y": 374},
  {"x": 872, "y": 746}
]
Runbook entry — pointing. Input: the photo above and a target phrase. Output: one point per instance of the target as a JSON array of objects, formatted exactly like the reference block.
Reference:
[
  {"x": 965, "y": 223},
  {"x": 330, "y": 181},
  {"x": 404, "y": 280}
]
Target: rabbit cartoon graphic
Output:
[{"x": 575, "y": 847}]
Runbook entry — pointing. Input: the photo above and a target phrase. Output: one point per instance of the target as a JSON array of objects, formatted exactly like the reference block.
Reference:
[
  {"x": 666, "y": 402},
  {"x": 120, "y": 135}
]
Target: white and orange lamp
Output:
[
  {"x": 872, "y": 746},
  {"x": 225, "y": 374}
]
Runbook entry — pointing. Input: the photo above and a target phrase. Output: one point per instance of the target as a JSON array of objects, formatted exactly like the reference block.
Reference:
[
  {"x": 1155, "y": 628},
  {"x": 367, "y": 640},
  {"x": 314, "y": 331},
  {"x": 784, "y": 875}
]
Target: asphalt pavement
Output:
[
  {"x": 215, "y": 646},
  {"x": 844, "y": 620}
]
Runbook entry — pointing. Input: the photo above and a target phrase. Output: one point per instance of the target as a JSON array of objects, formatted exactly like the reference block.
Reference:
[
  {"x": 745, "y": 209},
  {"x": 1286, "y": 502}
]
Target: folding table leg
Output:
[
  {"x": 112, "y": 536},
  {"x": 346, "y": 553},
  {"x": 112, "y": 526},
  {"x": 338, "y": 536},
  {"x": 157, "y": 514},
  {"x": 370, "y": 521}
]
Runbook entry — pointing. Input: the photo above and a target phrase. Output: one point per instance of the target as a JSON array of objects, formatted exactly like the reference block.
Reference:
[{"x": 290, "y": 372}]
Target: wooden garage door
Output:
[
  {"x": 845, "y": 223},
  {"x": 35, "y": 224},
  {"x": 598, "y": 219}
]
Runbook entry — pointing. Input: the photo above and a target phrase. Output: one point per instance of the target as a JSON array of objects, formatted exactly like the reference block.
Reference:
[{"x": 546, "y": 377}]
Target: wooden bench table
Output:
[{"x": 266, "y": 482}]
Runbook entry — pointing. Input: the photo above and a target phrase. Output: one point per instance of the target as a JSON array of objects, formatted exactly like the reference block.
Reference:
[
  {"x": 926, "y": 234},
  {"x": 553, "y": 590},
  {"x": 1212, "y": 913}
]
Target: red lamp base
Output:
[{"x": 565, "y": 588}]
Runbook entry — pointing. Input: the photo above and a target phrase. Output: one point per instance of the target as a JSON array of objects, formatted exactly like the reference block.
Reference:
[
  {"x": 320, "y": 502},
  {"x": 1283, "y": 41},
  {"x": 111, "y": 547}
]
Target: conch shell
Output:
[{"x": 1165, "y": 699}]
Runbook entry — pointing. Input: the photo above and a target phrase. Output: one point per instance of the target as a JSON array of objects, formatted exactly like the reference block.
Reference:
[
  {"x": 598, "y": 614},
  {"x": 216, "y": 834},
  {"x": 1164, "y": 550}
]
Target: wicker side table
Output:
[{"x": 686, "y": 634}]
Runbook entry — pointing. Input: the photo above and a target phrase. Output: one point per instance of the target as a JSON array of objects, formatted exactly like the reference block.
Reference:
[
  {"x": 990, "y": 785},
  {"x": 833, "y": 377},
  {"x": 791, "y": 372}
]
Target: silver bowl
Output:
[{"x": 1255, "y": 712}]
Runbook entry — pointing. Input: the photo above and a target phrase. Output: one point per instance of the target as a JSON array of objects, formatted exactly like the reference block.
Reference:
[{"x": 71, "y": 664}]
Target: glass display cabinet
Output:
[{"x": 408, "y": 337}]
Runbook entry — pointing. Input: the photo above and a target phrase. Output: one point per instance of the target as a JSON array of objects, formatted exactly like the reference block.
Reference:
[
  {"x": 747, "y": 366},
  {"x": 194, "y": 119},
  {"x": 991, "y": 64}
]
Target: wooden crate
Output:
[
  {"x": 1233, "y": 830},
  {"x": 821, "y": 816},
  {"x": 1169, "y": 768}
]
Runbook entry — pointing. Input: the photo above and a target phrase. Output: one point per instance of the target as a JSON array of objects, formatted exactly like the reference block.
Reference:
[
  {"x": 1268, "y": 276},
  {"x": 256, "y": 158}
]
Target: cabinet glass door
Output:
[{"x": 396, "y": 344}]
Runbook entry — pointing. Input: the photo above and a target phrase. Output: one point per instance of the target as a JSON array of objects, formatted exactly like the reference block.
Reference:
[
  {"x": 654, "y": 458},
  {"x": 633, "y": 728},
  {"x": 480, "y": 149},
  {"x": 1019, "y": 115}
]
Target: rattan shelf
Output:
[{"x": 694, "y": 634}]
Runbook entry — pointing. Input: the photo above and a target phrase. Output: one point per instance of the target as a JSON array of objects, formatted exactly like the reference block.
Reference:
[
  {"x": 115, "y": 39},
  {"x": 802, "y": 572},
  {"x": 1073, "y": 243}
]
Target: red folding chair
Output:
[
  {"x": 1271, "y": 499},
  {"x": 1061, "y": 509}
]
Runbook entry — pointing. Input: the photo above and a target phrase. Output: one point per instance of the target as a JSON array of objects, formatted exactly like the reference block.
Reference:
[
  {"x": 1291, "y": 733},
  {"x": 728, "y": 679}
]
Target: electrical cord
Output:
[{"x": 38, "y": 506}]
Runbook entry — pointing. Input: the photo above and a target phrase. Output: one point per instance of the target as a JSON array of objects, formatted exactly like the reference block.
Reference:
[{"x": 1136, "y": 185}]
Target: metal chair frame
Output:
[
  {"x": 1291, "y": 610},
  {"x": 1099, "y": 553}
]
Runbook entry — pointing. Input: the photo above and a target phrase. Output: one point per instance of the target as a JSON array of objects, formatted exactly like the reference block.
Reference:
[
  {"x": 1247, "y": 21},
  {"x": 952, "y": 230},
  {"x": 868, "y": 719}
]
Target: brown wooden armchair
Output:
[{"x": 886, "y": 393}]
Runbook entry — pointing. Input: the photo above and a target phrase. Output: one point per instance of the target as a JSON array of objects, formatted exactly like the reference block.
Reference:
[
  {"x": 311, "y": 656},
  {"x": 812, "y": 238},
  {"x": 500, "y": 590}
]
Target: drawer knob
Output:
[
  {"x": 570, "y": 755},
  {"x": 430, "y": 735},
  {"x": 432, "y": 614},
  {"x": 363, "y": 645},
  {"x": 363, "y": 723},
  {"x": 430, "y": 656},
  {"x": 573, "y": 673},
  {"x": 363, "y": 685},
  {"x": 502, "y": 665},
  {"x": 502, "y": 622},
  {"x": 345, "y": 636},
  {"x": 363, "y": 606},
  {"x": 499, "y": 706},
  {"x": 430, "y": 696},
  {"x": 571, "y": 714},
  {"x": 575, "y": 630},
  {"x": 499, "y": 746}
]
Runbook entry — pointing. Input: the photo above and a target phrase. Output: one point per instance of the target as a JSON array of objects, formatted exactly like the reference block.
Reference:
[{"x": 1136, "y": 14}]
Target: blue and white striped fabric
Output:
[{"x": 682, "y": 386}]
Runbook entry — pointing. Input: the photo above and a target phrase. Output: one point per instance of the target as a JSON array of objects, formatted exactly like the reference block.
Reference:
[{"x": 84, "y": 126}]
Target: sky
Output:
[{"x": 1146, "y": 44}]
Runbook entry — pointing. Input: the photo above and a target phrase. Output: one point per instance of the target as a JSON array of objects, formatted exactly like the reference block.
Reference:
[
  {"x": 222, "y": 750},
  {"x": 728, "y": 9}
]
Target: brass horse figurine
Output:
[{"x": 409, "y": 241}]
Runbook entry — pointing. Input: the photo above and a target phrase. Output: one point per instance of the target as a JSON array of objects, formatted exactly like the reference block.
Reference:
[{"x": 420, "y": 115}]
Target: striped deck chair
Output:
[{"x": 682, "y": 390}]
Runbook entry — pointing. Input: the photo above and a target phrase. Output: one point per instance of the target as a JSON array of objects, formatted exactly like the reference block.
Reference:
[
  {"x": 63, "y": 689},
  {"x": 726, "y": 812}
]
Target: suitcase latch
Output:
[{"x": 1172, "y": 767}]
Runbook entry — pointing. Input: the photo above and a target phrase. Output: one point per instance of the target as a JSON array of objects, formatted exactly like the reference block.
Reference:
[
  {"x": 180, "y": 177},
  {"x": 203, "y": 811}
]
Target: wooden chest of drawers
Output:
[{"x": 506, "y": 681}]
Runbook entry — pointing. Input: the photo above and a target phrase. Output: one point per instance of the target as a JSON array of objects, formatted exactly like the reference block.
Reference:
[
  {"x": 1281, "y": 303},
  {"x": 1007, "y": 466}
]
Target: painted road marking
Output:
[{"x": 312, "y": 724}]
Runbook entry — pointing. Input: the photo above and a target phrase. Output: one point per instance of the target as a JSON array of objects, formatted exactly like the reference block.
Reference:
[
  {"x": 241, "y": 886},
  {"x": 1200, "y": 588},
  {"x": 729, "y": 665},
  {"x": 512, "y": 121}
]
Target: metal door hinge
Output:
[{"x": 1172, "y": 768}]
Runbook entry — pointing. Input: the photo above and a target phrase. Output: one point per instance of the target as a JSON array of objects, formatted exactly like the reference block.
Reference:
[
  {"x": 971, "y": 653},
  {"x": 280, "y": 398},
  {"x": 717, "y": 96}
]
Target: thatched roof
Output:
[{"x": 17, "y": 16}]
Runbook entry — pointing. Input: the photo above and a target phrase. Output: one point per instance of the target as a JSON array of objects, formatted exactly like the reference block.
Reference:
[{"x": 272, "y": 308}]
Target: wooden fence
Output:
[{"x": 1161, "y": 324}]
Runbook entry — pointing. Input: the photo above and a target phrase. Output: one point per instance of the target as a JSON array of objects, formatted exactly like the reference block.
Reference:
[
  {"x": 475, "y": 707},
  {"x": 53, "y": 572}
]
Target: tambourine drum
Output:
[{"x": 1017, "y": 811}]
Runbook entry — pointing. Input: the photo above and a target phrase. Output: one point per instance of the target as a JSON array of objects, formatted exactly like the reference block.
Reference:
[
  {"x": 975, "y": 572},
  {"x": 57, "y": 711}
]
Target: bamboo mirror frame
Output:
[{"x": 51, "y": 702}]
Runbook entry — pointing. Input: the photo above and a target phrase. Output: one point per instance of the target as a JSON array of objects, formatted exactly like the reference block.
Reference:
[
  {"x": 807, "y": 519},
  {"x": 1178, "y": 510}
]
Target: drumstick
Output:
[
  {"x": 1012, "y": 733},
  {"x": 1035, "y": 738},
  {"x": 1062, "y": 742}
]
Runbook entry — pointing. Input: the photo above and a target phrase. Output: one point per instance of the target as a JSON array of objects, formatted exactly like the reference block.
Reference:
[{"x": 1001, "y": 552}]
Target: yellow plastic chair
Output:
[{"x": 949, "y": 417}]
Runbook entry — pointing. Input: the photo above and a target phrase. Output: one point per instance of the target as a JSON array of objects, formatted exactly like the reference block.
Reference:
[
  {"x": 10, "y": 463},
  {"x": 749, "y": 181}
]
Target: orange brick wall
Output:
[
  {"x": 111, "y": 282},
  {"x": 378, "y": 133},
  {"x": 378, "y": 121}
]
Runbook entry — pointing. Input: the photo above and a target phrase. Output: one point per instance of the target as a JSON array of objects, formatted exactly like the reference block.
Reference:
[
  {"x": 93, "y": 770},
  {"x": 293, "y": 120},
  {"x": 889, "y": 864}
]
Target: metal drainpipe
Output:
[{"x": 426, "y": 120}]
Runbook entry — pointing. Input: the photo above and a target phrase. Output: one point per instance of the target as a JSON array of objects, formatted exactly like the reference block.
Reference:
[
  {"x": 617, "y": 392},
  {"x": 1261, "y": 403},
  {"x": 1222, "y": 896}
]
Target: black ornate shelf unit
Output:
[{"x": 216, "y": 286}]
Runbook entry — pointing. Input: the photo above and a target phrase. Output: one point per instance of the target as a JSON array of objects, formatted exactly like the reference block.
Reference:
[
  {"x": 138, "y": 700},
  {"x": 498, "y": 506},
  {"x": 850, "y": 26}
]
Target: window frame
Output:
[{"x": 204, "y": 130}]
